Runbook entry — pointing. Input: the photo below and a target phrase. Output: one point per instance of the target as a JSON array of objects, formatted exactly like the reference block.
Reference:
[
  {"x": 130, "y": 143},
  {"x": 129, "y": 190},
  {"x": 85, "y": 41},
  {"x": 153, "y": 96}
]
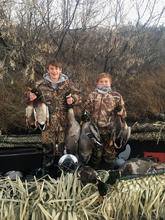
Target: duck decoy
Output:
[{"x": 89, "y": 175}]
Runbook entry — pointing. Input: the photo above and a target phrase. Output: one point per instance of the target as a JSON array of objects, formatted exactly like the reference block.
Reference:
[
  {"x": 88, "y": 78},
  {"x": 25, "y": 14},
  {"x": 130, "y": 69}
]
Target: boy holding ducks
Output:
[
  {"x": 106, "y": 109},
  {"x": 53, "y": 88}
]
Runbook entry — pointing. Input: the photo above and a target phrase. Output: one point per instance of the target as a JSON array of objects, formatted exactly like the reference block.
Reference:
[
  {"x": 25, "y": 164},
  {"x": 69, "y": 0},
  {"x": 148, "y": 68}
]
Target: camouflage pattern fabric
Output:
[
  {"x": 99, "y": 107},
  {"x": 56, "y": 102},
  {"x": 105, "y": 153}
]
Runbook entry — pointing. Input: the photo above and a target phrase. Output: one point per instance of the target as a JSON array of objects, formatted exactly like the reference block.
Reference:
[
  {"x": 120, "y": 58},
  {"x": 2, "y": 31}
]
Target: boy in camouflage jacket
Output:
[
  {"x": 100, "y": 107},
  {"x": 53, "y": 88}
]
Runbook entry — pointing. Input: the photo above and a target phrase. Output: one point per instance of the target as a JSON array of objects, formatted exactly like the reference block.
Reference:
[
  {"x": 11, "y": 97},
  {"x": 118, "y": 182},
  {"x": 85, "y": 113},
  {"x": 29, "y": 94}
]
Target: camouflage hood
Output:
[{"x": 62, "y": 78}]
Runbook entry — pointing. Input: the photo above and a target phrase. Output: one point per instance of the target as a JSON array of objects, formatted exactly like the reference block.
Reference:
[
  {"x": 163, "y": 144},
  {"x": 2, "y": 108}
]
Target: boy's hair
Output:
[
  {"x": 53, "y": 62},
  {"x": 104, "y": 75}
]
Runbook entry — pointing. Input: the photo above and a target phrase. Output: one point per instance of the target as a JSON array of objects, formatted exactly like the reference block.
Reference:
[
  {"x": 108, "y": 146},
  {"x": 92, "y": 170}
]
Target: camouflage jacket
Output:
[
  {"x": 99, "y": 107},
  {"x": 55, "y": 98}
]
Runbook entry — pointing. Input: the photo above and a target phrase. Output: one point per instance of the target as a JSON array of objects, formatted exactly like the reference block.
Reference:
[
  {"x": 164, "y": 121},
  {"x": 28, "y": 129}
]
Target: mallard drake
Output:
[
  {"x": 41, "y": 115},
  {"x": 114, "y": 175},
  {"x": 29, "y": 116},
  {"x": 37, "y": 112},
  {"x": 89, "y": 137},
  {"x": 120, "y": 131}
]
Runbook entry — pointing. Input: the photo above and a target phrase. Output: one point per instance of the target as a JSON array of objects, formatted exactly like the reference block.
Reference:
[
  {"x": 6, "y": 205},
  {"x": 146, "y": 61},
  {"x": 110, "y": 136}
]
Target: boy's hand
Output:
[
  {"x": 120, "y": 113},
  {"x": 32, "y": 96},
  {"x": 119, "y": 110},
  {"x": 69, "y": 98}
]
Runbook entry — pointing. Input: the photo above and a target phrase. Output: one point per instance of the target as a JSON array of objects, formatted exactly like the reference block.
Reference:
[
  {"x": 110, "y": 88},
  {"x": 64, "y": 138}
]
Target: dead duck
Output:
[
  {"x": 41, "y": 115},
  {"x": 36, "y": 112},
  {"x": 73, "y": 131},
  {"x": 29, "y": 116},
  {"x": 89, "y": 138},
  {"x": 120, "y": 131}
]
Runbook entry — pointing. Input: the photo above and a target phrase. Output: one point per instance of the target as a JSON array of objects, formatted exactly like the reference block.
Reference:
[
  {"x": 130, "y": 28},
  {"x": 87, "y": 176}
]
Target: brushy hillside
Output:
[{"x": 133, "y": 54}]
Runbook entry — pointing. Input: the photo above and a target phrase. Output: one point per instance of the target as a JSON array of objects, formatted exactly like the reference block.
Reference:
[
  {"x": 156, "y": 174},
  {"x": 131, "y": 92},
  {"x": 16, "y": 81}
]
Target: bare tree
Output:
[{"x": 147, "y": 12}]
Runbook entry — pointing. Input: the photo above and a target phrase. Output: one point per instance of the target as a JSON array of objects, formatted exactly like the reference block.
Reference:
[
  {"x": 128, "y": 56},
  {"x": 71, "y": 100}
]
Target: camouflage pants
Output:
[
  {"x": 53, "y": 139},
  {"x": 105, "y": 153}
]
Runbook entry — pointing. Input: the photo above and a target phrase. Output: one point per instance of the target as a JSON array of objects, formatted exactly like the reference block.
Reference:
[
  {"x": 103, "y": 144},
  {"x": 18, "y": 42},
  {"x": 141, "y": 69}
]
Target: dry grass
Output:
[{"x": 66, "y": 198}]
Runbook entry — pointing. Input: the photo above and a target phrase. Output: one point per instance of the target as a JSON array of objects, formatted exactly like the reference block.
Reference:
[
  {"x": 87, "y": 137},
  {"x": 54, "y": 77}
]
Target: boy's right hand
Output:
[{"x": 69, "y": 98}]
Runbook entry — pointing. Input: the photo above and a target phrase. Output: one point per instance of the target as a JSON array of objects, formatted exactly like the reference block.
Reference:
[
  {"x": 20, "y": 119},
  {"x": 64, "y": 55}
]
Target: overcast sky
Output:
[
  {"x": 160, "y": 4},
  {"x": 101, "y": 11}
]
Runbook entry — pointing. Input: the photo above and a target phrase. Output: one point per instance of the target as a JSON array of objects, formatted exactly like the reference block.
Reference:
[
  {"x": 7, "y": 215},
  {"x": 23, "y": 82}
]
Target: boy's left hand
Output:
[
  {"x": 120, "y": 113},
  {"x": 119, "y": 110}
]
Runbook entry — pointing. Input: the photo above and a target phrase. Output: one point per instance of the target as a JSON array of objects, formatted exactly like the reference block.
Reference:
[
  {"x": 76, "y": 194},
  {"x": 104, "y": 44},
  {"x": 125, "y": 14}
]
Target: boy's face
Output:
[
  {"x": 54, "y": 72},
  {"x": 104, "y": 82}
]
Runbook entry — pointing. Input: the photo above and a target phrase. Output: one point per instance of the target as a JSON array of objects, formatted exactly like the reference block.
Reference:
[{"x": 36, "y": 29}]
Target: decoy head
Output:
[
  {"x": 87, "y": 175},
  {"x": 102, "y": 188}
]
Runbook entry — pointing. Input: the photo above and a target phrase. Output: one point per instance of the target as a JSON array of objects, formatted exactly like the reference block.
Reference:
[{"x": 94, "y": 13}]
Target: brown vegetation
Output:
[{"x": 133, "y": 54}]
